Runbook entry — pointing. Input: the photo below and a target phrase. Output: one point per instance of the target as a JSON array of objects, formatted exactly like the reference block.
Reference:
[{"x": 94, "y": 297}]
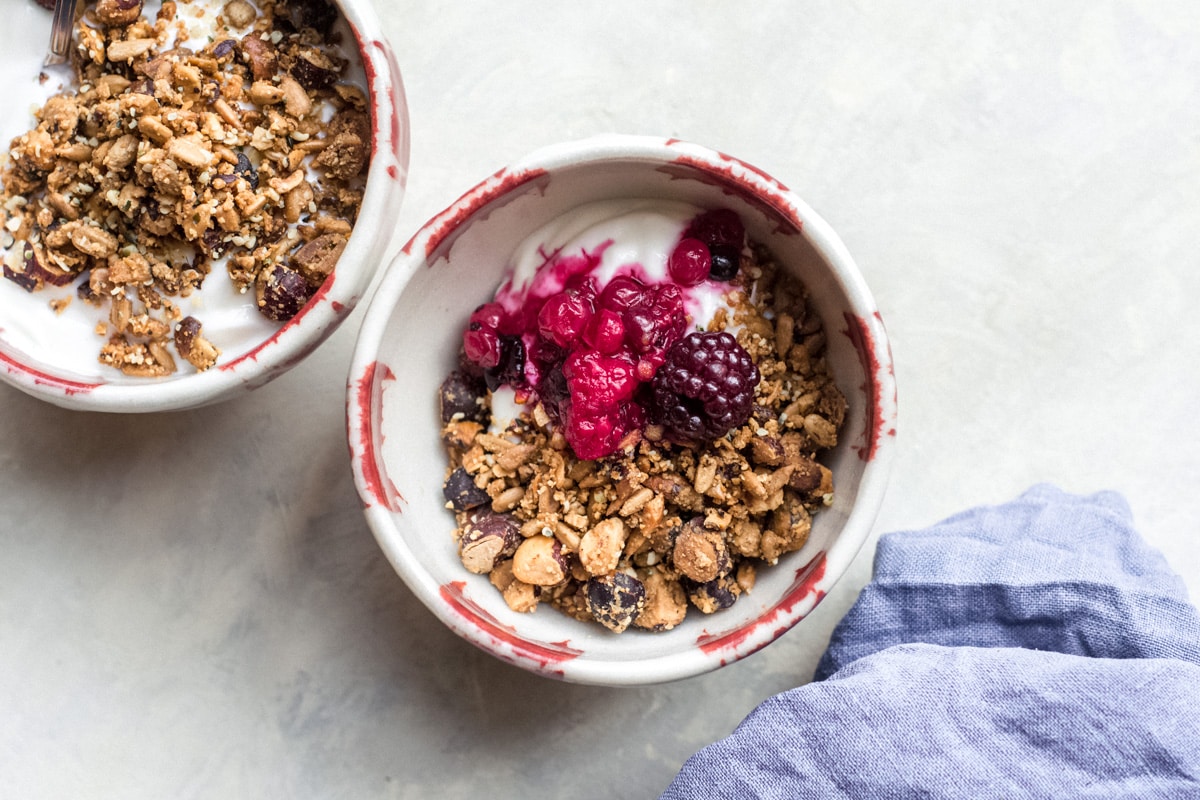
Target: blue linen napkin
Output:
[{"x": 1036, "y": 649}]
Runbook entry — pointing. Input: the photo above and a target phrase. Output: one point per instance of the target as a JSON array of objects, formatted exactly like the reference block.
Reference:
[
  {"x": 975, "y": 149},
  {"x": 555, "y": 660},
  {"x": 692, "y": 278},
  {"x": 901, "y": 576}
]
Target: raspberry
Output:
[
  {"x": 704, "y": 389},
  {"x": 598, "y": 382},
  {"x": 656, "y": 320},
  {"x": 482, "y": 345},
  {"x": 599, "y": 412},
  {"x": 564, "y": 316},
  {"x": 622, "y": 293},
  {"x": 605, "y": 332},
  {"x": 595, "y": 435}
]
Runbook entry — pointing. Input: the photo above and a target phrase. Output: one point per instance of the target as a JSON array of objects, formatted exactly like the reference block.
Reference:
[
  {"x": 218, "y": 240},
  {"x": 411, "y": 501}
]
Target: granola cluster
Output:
[
  {"x": 167, "y": 160},
  {"x": 641, "y": 536}
]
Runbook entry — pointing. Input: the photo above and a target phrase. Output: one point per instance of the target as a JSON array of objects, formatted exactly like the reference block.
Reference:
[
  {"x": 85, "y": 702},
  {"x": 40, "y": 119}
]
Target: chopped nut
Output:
[
  {"x": 128, "y": 49},
  {"x": 600, "y": 549},
  {"x": 508, "y": 499},
  {"x": 700, "y": 553},
  {"x": 89, "y": 239},
  {"x": 539, "y": 561},
  {"x": 154, "y": 130},
  {"x": 488, "y": 539},
  {"x": 190, "y": 152},
  {"x": 118, "y": 13},
  {"x": 265, "y": 93},
  {"x": 665, "y": 604},
  {"x": 239, "y": 13},
  {"x": 199, "y": 352},
  {"x": 295, "y": 99},
  {"x": 615, "y": 600},
  {"x": 636, "y": 502},
  {"x": 461, "y": 493}
]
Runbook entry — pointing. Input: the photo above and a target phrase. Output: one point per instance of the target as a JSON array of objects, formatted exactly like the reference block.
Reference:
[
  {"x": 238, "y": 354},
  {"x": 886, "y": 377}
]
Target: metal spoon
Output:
[{"x": 60, "y": 33}]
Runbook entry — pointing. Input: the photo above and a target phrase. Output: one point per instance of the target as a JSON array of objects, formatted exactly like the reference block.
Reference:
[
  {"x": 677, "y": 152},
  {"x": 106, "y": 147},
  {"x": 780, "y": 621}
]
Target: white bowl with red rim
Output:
[
  {"x": 409, "y": 341},
  {"x": 58, "y": 370}
]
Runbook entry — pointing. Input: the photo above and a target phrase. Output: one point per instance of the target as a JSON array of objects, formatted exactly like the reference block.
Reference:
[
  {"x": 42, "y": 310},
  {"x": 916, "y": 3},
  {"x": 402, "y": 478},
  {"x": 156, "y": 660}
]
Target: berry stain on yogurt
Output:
[{"x": 597, "y": 303}]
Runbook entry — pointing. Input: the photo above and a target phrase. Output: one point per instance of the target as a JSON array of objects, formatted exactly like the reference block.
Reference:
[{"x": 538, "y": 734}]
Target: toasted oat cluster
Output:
[
  {"x": 639, "y": 537},
  {"x": 167, "y": 160}
]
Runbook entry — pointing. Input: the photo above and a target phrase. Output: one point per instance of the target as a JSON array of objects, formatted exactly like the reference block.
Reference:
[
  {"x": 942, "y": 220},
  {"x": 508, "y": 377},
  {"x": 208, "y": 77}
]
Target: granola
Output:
[
  {"x": 656, "y": 528},
  {"x": 246, "y": 153}
]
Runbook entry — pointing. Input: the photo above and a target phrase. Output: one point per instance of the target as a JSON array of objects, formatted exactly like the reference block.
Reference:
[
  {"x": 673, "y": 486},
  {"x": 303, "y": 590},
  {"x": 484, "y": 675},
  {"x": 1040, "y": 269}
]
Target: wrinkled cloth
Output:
[{"x": 1036, "y": 649}]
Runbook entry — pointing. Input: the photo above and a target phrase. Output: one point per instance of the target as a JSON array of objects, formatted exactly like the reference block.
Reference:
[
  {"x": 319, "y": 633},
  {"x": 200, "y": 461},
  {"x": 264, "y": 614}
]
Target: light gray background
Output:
[{"x": 191, "y": 605}]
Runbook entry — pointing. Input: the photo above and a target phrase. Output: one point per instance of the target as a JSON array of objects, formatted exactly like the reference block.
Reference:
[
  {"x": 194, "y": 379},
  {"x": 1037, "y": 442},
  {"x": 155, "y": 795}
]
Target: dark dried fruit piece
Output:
[
  {"x": 34, "y": 274},
  {"x": 282, "y": 292},
  {"x": 712, "y": 596},
  {"x": 245, "y": 169},
  {"x": 222, "y": 49},
  {"x": 312, "y": 69},
  {"x": 461, "y": 492},
  {"x": 316, "y": 14},
  {"x": 463, "y": 397},
  {"x": 615, "y": 600},
  {"x": 84, "y": 290},
  {"x": 487, "y": 539},
  {"x": 22, "y": 279}
]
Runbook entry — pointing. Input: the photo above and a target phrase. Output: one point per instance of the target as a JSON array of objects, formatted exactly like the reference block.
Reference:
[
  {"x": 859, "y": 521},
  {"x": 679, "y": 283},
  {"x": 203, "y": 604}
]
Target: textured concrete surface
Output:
[{"x": 192, "y": 606}]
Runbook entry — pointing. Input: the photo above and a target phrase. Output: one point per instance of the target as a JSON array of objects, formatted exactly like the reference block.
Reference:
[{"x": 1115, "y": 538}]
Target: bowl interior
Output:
[
  {"x": 454, "y": 269},
  {"x": 54, "y": 356}
]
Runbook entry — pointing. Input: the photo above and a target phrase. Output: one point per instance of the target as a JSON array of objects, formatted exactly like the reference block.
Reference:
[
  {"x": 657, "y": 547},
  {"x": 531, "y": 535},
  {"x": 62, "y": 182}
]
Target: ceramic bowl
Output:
[
  {"x": 54, "y": 357},
  {"x": 409, "y": 340}
]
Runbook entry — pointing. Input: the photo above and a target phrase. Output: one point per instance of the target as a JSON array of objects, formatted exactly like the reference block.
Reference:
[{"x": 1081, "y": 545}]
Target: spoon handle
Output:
[{"x": 60, "y": 33}]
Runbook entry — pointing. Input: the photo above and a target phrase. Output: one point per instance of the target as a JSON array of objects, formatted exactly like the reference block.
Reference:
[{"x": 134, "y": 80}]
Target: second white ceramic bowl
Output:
[{"x": 44, "y": 369}]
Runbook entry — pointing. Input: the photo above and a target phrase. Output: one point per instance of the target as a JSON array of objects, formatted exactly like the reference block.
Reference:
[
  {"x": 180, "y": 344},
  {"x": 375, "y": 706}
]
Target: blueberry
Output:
[
  {"x": 725, "y": 262},
  {"x": 511, "y": 369}
]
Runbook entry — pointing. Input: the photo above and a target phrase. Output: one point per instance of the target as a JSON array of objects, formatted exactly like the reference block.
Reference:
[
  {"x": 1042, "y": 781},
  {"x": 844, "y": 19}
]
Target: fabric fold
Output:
[
  {"x": 1047, "y": 571},
  {"x": 1034, "y": 649}
]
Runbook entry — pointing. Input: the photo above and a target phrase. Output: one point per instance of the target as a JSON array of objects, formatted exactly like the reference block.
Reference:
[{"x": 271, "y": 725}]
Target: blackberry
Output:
[{"x": 704, "y": 389}]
